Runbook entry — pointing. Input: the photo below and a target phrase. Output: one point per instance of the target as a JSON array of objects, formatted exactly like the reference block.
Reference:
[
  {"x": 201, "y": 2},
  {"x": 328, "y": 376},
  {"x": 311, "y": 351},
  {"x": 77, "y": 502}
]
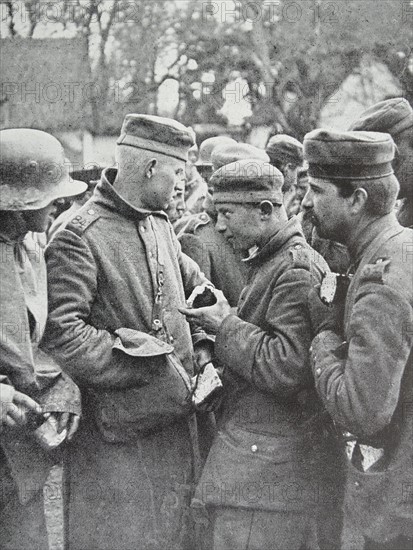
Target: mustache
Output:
[{"x": 309, "y": 216}]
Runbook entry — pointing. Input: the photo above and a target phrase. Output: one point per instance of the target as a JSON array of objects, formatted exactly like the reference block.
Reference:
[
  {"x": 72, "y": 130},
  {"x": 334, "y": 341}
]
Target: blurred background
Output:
[{"x": 247, "y": 69}]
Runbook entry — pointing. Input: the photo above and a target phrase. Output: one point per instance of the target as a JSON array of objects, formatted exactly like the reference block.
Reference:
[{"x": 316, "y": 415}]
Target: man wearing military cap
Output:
[
  {"x": 395, "y": 116},
  {"x": 362, "y": 357},
  {"x": 286, "y": 154},
  {"x": 272, "y": 470},
  {"x": 39, "y": 405},
  {"x": 204, "y": 164},
  {"x": 200, "y": 239},
  {"x": 117, "y": 276}
]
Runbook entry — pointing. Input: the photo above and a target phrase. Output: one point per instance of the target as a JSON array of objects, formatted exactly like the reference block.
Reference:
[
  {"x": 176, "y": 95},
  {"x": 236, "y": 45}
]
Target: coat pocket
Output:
[
  {"x": 124, "y": 415},
  {"x": 377, "y": 503}
]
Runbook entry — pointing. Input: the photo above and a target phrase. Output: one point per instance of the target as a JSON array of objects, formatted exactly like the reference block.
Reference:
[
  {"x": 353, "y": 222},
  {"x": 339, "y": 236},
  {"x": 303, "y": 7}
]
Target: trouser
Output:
[
  {"x": 239, "y": 529},
  {"x": 400, "y": 543},
  {"x": 21, "y": 527}
]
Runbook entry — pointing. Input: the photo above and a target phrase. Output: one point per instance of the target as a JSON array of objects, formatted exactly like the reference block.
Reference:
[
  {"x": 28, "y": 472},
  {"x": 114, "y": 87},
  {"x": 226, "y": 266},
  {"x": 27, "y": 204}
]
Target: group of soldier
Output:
[{"x": 305, "y": 440}]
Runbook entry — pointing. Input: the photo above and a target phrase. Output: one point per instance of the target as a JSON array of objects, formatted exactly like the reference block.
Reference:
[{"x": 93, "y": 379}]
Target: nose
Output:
[
  {"x": 180, "y": 204},
  {"x": 221, "y": 225},
  {"x": 307, "y": 201}
]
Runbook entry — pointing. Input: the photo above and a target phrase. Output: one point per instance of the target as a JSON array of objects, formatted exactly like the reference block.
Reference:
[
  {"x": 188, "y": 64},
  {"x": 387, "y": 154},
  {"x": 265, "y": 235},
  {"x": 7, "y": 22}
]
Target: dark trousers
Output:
[
  {"x": 238, "y": 529},
  {"x": 21, "y": 527}
]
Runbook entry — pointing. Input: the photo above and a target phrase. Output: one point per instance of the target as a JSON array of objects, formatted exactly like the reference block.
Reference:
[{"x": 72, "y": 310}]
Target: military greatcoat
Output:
[
  {"x": 103, "y": 270},
  {"x": 366, "y": 382},
  {"x": 274, "y": 451}
]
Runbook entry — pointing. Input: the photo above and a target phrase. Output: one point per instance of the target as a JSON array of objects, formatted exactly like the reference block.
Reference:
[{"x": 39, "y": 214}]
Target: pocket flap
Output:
[{"x": 140, "y": 344}]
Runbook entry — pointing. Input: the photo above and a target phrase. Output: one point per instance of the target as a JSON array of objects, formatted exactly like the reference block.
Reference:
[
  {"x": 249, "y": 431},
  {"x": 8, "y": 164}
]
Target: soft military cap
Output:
[
  {"x": 207, "y": 147},
  {"x": 248, "y": 181},
  {"x": 157, "y": 134},
  {"x": 349, "y": 155},
  {"x": 392, "y": 116},
  {"x": 285, "y": 148},
  {"x": 225, "y": 154}
]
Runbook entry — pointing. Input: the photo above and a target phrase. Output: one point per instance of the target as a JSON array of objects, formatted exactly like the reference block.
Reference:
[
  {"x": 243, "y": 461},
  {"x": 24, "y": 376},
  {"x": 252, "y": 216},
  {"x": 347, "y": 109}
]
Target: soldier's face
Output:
[
  {"x": 239, "y": 224},
  {"x": 160, "y": 188},
  {"x": 328, "y": 210},
  {"x": 39, "y": 220},
  {"x": 176, "y": 206}
]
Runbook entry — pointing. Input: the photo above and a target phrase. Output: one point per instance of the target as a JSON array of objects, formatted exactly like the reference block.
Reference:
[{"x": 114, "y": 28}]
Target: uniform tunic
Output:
[
  {"x": 24, "y": 466},
  {"x": 103, "y": 273},
  {"x": 273, "y": 449},
  {"x": 366, "y": 383}
]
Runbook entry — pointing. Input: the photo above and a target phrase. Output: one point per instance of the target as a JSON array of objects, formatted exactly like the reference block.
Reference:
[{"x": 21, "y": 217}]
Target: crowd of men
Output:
[{"x": 278, "y": 281}]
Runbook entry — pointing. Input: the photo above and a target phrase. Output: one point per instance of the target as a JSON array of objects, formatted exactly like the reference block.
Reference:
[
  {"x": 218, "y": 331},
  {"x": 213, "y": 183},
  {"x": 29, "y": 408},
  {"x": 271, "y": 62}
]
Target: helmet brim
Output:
[{"x": 33, "y": 198}]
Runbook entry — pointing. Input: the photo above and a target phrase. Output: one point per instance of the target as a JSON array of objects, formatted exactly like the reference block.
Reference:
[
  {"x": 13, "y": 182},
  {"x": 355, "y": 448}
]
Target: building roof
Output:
[{"x": 45, "y": 84}]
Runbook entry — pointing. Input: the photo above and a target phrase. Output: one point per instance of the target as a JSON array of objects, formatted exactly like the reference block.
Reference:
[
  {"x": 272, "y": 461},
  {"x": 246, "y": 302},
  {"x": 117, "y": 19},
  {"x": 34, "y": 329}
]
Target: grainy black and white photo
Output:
[{"x": 206, "y": 288}]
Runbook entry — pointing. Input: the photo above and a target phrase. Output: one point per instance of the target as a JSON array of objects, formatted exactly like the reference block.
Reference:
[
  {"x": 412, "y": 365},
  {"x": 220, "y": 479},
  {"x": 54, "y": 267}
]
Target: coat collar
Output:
[
  {"x": 290, "y": 229},
  {"x": 105, "y": 195},
  {"x": 375, "y": 228}
]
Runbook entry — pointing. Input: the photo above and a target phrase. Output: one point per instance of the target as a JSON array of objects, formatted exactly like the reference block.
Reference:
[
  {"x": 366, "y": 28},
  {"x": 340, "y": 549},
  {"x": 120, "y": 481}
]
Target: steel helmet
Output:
[{"x": 33, "y": 170}]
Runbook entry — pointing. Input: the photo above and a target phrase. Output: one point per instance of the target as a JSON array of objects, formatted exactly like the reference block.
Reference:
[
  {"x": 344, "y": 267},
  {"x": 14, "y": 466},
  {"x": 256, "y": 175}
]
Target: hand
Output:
[
  {"x": 209, "y": 318},
  {"x": 16, "y": 407},
  {"x": 324, "y": 317},
  {"x": 68, "y": 421}
]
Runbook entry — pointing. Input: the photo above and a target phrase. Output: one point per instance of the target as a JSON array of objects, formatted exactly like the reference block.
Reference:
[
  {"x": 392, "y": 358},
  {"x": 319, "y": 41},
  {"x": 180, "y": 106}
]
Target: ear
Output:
[
  {"x": 266, "y": 208},
  {"x": 358, "y": 200},
  {"x": 149, "y": 170}
]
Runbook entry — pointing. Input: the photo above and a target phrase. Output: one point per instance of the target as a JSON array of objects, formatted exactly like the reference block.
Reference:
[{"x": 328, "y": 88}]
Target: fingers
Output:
[
  {"x": 193, "y": 313},
  {"x": 18, "y": 415},
  {"x": 27, "y": 402},
  {"x": 73, "y": 426}
]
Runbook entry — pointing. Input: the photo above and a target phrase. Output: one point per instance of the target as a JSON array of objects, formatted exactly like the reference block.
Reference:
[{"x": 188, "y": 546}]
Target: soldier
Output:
[
  {"x": 267, "y": 476},
  {"x": 395, "y": 116},
  {"x": 362, "y": 361},
  {"x": 90, "y": 176},
  {"x": 286, "y": 154},
  {"x": 176, "y": 207},
  {"x": 40, "y": 406},
  {"x": 117, "y": 276},
  {"x": 204, "y": 163},
  {"x": 201, "y": 241}
]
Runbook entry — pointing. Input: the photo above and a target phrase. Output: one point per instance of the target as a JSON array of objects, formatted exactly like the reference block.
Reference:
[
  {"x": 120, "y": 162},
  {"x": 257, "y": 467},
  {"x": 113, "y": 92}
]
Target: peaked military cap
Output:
[
  {"x": 157, "y": 134},
  {"x": 349, "y": 155},
  {"x": 391, "y": 116},
  {"x": 248, "y": 181},
  {"x": 284, "y": 148},
  {"x": 231, "y": 152}
]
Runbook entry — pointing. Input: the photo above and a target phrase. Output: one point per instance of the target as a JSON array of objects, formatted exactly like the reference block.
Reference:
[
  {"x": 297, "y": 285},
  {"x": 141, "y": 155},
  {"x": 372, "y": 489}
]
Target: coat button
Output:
[
  {"x": 357, "y": 484},
  {"x": 254, "y": 448},
  {"x": 318, "y": 371}
]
